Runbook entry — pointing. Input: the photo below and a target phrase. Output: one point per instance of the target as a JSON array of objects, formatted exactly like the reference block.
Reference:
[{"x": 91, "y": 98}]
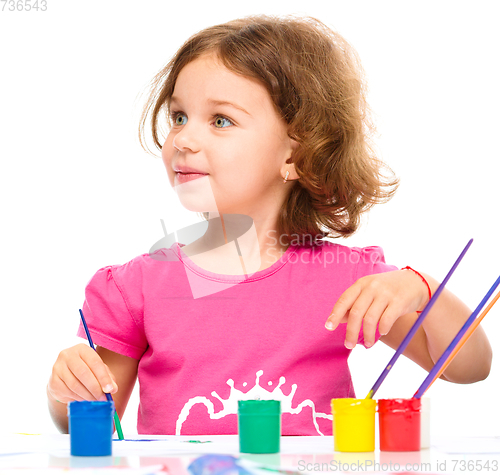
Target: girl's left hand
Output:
[{"x": 377, "y": 299}]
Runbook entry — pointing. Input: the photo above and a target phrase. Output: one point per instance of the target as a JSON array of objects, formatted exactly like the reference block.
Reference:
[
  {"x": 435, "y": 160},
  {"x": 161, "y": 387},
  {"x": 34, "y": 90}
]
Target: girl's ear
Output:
[{"x": 288, "y": 166}]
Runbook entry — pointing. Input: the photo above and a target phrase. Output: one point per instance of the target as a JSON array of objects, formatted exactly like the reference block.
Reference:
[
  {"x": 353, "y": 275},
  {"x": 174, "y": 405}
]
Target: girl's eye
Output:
[
  {"x": 221, "y": 122},
  {"x": 179, "y": 118}
]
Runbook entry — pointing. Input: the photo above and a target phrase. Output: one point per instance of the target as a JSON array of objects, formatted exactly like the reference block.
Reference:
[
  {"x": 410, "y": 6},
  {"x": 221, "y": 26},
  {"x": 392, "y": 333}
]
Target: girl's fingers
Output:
[
  {"x": 80, "y": 374},
  {"x": 371, "y": 319},
  {"x": 372, "y": 299},
  {"x": 83, "y": 383},
  {"x": 342, "y": 306},
  {"x": 67, "y": 388},
  {"x": 356, "y": 315},
  {"x": 113, "y": 379},
  {"x": 59, "y": 391},
  {"x": 70, "y": 396},
  {"x": 100, "y": 373},
  {"x": 389, "y": 317}
]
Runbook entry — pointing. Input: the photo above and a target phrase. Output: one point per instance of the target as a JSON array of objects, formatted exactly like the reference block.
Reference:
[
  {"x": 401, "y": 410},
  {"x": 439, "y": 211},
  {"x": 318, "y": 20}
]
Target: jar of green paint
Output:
[{"x": 259, "y": 426}]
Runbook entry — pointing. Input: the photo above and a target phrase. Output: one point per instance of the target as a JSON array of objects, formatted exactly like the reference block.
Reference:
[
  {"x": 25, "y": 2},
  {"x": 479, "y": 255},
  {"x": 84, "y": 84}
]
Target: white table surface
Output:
[{"x": 47, "y": 454}]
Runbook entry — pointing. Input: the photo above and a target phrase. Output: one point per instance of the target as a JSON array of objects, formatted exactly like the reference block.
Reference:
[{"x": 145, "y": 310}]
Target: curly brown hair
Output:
[{"x": 317, "y": 84}]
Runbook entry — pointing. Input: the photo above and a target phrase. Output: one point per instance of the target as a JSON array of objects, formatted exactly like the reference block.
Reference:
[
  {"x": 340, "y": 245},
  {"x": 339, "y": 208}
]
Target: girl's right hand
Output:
[{"x": 79, "y": 374}]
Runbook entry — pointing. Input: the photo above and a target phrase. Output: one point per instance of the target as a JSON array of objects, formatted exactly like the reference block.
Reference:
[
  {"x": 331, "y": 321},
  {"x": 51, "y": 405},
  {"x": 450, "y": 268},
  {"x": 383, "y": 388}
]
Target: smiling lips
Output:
[
  {"x": 185, "y": 174},
  {"x": 184, "y": 177}
]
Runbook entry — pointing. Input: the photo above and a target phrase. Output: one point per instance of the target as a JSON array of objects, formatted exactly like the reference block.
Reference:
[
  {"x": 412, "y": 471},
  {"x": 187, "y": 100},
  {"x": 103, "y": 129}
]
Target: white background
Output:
[{"x": 78, "y": 192}]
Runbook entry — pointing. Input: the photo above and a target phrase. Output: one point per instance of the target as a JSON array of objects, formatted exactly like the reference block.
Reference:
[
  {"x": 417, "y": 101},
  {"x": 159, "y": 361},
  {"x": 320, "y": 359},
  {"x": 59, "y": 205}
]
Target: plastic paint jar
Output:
[
  {"x": 91, "y": 427},
  {"x": 399, "y": 424},
  {"x": 259, "y": 426},
  {"x": 354, "y": 424}
]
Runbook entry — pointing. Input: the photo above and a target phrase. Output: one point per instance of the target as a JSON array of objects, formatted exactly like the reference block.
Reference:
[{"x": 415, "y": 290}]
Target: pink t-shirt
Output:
[{"x": 205, "y": 340}]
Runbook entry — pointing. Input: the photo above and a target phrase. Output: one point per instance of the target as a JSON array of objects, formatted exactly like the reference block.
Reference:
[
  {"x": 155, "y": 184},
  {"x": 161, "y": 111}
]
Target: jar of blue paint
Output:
[{"x": 91, "y": 427}]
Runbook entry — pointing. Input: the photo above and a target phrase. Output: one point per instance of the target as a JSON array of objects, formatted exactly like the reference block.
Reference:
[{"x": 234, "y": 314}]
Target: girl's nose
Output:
[{"x": 185, "y": 139}]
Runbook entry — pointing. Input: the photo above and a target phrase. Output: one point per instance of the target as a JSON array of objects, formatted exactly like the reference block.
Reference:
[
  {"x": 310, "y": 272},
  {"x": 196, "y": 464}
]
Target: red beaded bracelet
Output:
[{"x": 423, "y": 279}]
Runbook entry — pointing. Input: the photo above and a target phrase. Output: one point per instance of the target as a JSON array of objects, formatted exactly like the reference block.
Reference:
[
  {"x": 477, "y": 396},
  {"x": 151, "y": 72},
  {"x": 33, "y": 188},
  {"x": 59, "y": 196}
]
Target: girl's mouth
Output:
[{"x": 185, "y": 177}]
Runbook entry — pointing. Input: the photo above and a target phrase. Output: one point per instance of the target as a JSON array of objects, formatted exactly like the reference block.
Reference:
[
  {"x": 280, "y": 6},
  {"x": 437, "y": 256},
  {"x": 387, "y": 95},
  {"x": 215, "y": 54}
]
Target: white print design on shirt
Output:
[{"x": 230, "y": 405}]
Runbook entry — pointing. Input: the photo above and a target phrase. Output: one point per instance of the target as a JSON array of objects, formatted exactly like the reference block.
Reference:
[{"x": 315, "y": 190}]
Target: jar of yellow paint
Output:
[{"x": 354, "y": 424}]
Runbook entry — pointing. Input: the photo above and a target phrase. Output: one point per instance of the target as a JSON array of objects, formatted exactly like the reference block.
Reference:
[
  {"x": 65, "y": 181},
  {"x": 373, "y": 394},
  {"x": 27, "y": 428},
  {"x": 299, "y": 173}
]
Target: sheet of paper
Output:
[
  {"x": 59, "y": 445},
  {"x": 157, "y": 445},
  {"x": 215, "y": 444},
  {"x": 153, "y": 470},
  {"x": 22, "y": 443},
  {"x": 468, "y": 445}
]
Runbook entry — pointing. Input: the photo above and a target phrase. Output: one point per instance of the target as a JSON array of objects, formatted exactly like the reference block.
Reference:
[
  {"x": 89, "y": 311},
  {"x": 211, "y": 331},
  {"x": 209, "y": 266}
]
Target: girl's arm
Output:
[
  {"x": 80, "y": 373},
  {"x": 391, "y": 300}
]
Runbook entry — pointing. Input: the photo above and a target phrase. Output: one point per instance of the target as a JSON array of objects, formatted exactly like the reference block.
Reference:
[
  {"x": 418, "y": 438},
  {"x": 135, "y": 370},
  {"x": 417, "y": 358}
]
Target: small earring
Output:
[{"x": 286, "y": 176}]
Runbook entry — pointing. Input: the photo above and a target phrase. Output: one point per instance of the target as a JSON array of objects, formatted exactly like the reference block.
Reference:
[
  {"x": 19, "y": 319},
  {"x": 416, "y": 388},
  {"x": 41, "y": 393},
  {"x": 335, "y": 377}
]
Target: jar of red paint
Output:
[{"x": 399, "y": 424}]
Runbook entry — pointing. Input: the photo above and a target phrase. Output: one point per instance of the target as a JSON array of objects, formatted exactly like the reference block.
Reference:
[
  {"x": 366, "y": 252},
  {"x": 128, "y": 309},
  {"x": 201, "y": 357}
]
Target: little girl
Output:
[{"x": 268, "y": 138}]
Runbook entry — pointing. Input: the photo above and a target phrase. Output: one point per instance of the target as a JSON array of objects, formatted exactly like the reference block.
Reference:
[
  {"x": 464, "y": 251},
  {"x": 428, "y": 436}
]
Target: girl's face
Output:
[{"x": 225, "y": 126}]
